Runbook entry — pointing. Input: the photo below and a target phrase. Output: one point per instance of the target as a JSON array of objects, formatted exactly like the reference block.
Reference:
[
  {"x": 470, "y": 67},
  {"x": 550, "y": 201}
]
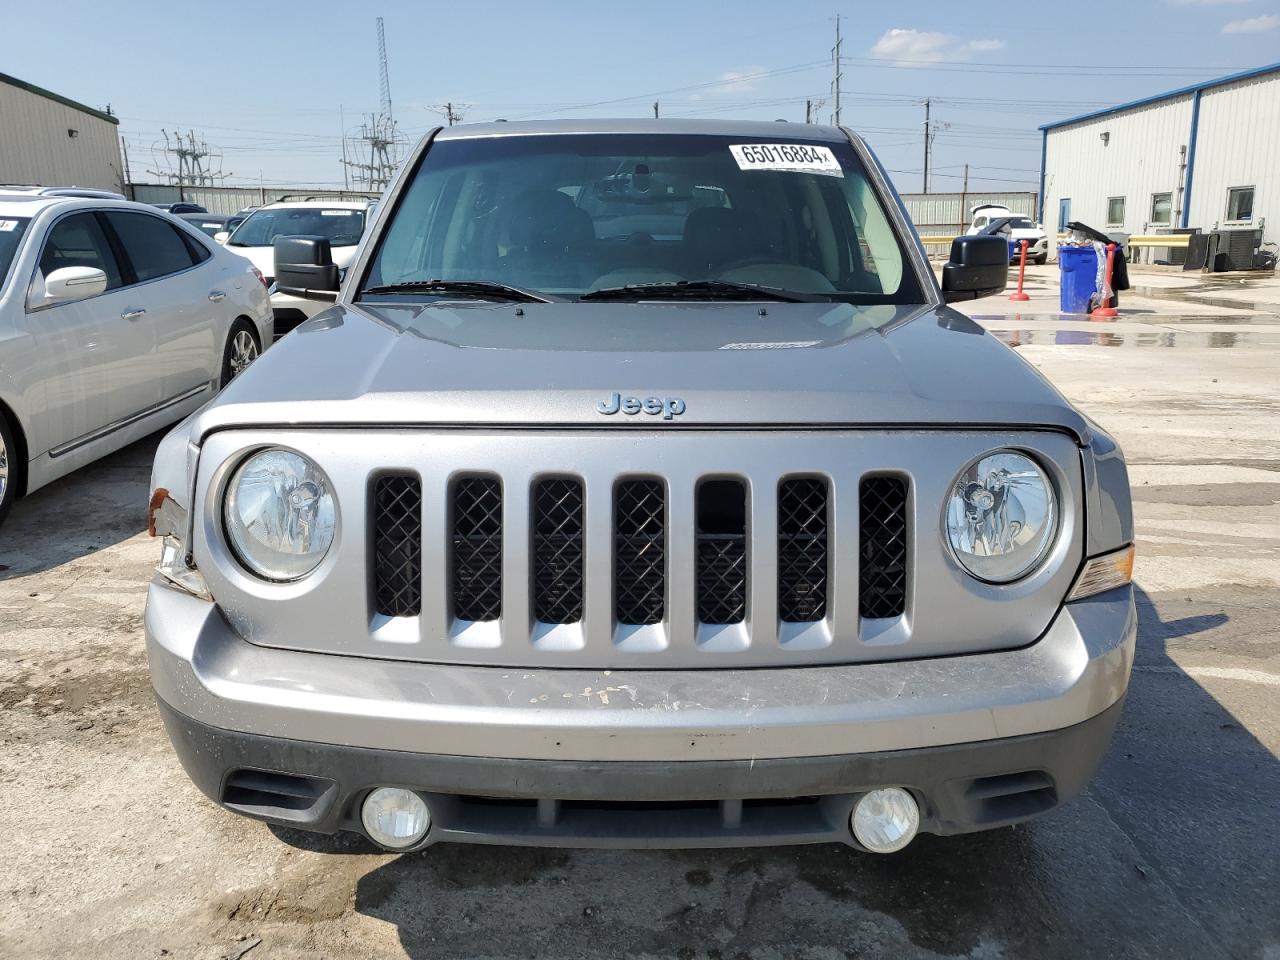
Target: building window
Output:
[
  {"x": 1240, "y": 203},
  {"x": 1161, "y": 208},
  {"x": 1115, "y": 211}
]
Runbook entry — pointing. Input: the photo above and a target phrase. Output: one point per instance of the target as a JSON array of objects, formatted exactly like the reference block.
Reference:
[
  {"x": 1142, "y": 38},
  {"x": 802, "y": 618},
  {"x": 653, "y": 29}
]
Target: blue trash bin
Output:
[{"x": 1079, "y": 267}]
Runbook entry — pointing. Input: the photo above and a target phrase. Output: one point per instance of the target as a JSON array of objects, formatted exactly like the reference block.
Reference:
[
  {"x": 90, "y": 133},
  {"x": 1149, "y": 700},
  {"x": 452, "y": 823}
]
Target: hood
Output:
[
  {"x": 264, "y": 258},
  {"x": 780, "y": 364}
]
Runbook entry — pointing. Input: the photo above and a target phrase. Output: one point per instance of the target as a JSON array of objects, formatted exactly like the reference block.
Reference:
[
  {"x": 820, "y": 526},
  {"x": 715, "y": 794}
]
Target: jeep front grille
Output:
[
  {"x": 720, "y": 535},
  {"x": 639, "y": 556},
  {"x": 477, "y": 549},
  {"x": 558, "y": 532},
  {"x": 882, "y": 573},
  {"x": 803, "y": 518},
  {"x": 397, "y": 546}
]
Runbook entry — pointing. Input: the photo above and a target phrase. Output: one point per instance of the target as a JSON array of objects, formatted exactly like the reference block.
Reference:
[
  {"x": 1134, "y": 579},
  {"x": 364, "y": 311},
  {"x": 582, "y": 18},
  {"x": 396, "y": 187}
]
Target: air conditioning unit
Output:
[{"x": 1232, "y": 249}]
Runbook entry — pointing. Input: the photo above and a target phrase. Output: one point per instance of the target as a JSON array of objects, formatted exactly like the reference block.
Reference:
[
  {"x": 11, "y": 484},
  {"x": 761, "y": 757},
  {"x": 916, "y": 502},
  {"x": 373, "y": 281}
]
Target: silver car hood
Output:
[{"x": 732, "y": 364}]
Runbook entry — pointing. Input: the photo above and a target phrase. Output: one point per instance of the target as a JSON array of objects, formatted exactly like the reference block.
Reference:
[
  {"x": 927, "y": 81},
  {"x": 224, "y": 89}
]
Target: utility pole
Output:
[
  {"x": 836, "y": 75},
  {"x": 964, "y": 198},
  {"x": 926, "y": 146},
  {"x": 655, "y": 109},
  {"x": 346, "y": 170},
  {"x": 808, "y": 111}
]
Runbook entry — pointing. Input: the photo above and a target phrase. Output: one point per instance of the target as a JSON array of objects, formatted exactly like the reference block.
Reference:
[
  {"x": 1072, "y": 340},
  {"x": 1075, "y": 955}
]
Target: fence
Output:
[
  {"x": 946, "y": 215},
  {"x": 233, "y": 199}
]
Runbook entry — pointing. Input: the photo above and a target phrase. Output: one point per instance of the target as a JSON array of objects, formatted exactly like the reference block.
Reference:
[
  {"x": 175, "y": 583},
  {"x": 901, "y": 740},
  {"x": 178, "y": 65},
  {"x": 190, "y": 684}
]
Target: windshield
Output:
[
  {"x": 260, "y": 228},
  {"x": 567, "y": 215},
  {"x": 11, "y": 231},
  {"x": 1021, "y": 223}
]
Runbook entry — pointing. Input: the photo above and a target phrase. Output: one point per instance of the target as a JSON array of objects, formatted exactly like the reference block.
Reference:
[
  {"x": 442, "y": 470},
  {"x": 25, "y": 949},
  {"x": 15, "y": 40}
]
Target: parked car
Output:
[
  {"x": 180, "y": 207},
  {"x": 210, "y": 224},
  {"x": 92, "y": 192},
  {"x": 1020, "y": 228},
  {"x": 341, "y": 222},
  {"x": 116, "y": 320},
  {"x": 641, "y": 489}
]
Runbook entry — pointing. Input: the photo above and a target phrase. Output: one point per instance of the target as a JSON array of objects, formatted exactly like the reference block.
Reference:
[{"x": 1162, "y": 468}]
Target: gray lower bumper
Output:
[
  {"x": 693, "y": 803},
  {"x": 204, "y": 671}
]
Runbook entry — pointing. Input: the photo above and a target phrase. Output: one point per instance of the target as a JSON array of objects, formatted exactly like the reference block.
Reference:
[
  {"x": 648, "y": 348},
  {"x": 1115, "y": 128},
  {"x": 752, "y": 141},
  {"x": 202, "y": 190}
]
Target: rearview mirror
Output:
[
  {"x": 305, "y": 268},
  {"x": 221, "y": 236},
  {"x": 74, "y": 283},
  {"x": 979, "y": 267}
]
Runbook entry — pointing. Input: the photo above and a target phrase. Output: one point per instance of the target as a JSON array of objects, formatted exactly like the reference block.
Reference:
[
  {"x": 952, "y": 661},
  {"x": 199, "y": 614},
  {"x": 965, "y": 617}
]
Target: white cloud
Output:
[
  {"x": 906, "y": 46},
  {"x": 1260, "y": 24},
  {"x": 739, "y": 81}
]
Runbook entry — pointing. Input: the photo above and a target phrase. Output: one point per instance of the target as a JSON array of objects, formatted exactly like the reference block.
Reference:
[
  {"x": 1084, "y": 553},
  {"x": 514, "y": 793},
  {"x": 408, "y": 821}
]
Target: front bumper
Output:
[{"x": 736, "y": 757}]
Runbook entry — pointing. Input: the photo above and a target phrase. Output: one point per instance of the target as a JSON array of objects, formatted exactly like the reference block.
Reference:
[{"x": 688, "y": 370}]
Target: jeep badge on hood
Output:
[{"x": 669, "y": 407}]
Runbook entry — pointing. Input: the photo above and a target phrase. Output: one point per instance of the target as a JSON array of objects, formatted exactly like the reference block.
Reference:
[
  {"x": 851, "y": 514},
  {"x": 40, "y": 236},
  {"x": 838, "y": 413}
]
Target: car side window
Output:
[
  {"x": 154, "y": 248},
  {"x": 79, "y": 241}
]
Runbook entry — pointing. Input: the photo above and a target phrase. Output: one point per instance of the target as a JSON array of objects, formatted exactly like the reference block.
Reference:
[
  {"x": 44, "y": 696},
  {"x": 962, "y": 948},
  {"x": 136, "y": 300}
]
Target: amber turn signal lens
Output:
[{"x": 1104, "y": 573}]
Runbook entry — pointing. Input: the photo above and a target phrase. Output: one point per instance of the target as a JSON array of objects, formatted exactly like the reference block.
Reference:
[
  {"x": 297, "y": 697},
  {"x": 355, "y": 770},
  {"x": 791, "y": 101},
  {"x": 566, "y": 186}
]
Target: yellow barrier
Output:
[{"x": 1160, "y": 240}]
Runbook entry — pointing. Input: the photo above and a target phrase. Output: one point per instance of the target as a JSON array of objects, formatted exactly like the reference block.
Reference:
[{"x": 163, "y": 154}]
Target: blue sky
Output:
[{"x": 265, "y": 82}]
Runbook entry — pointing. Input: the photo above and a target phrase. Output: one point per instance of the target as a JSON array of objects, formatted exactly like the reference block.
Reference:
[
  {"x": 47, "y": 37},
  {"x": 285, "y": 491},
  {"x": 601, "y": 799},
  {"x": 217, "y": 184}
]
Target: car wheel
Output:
[
  {"x": 8, "y": 468},
  {"x": 1042, "y": 259},
  {"x": 242, "y": 349}
]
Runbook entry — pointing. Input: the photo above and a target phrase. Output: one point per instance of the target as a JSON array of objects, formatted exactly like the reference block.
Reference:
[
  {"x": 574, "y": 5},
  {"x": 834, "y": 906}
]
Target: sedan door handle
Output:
[
  {"x": 217, "y": 296},
  {"x": 132, "y": 314}
]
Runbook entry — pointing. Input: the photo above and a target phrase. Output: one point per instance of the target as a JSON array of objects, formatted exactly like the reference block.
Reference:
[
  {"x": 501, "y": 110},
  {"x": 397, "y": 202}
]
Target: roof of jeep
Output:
[
  {"x": 319, "y": 203},
  {"x": 758, "y": 130}
]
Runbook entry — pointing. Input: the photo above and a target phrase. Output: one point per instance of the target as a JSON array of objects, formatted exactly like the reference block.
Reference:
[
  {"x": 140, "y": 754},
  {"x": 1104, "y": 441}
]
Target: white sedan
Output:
[{"x": 115, "y": 320}]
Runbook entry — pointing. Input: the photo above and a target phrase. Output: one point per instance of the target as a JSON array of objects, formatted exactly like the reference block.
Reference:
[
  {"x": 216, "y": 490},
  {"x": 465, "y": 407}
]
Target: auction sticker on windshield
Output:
[{"x": 792, "y": 157}]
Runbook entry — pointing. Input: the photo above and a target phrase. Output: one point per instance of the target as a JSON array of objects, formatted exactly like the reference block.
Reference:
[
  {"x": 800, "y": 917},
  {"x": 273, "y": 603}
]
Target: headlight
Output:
[
  {"x": 1002, "y": 517},
  {"x": 280, "y": 515}
]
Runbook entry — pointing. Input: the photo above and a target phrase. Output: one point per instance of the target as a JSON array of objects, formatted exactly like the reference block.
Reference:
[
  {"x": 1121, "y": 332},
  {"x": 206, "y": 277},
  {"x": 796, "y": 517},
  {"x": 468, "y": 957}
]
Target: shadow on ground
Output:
[{"x": 89, "y": 510}]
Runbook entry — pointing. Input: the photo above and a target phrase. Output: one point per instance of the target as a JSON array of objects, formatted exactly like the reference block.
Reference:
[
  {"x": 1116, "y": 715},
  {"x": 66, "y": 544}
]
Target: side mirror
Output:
[
  {"x": 305, "y": 268},
  {"x": 979, "y": 267},
  {"x": 69, "y": 284},
  {"x": 221, "y": 236}
]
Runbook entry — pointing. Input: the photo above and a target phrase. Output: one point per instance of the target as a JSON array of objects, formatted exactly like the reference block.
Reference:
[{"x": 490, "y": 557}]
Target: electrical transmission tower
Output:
[
  {"x": 187, "y": 162},
  {"x": 379, "y": 140}
]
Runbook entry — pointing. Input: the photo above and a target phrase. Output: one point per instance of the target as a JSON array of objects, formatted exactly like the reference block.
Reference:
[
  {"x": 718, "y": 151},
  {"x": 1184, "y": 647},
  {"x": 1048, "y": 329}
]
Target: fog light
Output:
[
  {"x": 885, "y": 821},
  {"x": 395, "y": 818}
]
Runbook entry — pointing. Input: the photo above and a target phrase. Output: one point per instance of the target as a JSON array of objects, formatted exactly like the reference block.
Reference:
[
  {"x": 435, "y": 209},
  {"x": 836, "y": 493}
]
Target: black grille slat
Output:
[
  {"x": 477, "y": 549},
  {"x": 722, "y": 552},
  {"x": 882, "y": 525},
  {"x": 639, "y": 556},
  {"x": 397, "y": 546},
  {"x": 803, "y": 525},
  {"x": 558, "y": 551}
]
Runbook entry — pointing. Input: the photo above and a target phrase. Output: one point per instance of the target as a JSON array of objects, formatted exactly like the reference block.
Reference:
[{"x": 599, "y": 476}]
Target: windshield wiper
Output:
[
  {"x": 480, "y": 289},
  {"x": 702, "y": 290}
]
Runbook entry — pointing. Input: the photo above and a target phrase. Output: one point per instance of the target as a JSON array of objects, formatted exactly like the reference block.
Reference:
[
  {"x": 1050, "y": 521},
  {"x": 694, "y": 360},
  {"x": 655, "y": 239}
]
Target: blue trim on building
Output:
[
  {"x": 1191, "y": 159},
  {"x": 1044, "y": 150},
  {"x": 1195, "y": 88}
]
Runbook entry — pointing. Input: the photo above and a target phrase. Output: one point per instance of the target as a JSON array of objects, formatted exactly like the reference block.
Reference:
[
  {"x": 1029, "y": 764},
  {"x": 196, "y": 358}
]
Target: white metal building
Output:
[
  {"x": 1205, "y": 156},
  {"x": 48, "y": 140}
]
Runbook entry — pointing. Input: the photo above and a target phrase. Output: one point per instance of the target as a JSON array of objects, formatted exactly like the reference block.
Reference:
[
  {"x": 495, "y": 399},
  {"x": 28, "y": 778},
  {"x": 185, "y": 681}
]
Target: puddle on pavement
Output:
[{"x": 1220, "y": 339}]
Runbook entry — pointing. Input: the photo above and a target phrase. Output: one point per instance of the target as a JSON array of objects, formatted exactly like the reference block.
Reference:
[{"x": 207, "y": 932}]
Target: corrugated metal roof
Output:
[
  {"x": 50, "y": 95},
  {"x": 1157, "y": 98}
]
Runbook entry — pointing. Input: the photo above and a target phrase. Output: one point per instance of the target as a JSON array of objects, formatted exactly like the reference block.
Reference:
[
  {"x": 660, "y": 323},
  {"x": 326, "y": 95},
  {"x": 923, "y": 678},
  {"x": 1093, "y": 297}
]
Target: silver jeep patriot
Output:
[{"x": 641, "y": 489}]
